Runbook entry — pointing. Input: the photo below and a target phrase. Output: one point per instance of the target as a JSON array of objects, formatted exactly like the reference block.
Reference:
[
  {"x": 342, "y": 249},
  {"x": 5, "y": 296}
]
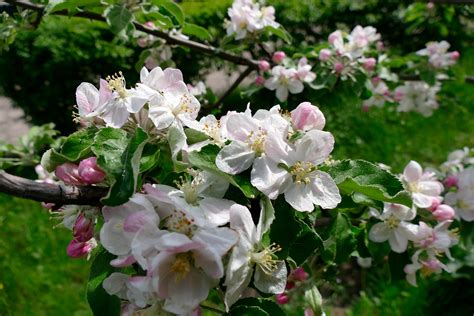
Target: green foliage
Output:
[
  {"x": 366, "y": 178},
  {"x": 118, "y": 17},
  {"x": 101, "y": 303},
  {"x": 119, "y": 154}
]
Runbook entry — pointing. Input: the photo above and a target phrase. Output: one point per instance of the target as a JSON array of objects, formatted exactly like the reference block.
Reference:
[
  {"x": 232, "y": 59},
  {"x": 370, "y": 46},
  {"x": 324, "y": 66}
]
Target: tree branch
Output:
[
  {"x": 50, "y": 193},
  {"x": 173, "y": 40}
]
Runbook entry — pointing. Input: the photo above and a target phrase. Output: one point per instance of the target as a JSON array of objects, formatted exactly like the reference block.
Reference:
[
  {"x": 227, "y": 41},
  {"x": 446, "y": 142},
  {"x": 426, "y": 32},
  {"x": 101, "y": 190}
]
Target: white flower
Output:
[
  {"x": 292, "y": 170},
  {"x": 123, "y": 222},
  {"x": 248, "y": 135},
  {"x": 284, "y": 80},
  {"x": 423, "y": 186},
  {"x": 90, "y": 101},
  {"x": 362, "y": 37},
  {"x": 304, "y": 72},
  {"x": 417, "y": 96},
  {"x": 136, "y": 289},
  {"x": 438, "y": 55},
  {"x": 198, "y": 89},
  {"x": 380, "y": 94},
  {"x": 438, "y": 239},
  {"x": 249, "y": 255},
  {"x": 187, "y": 267},
  {"x": 394, "y": 227},
  {"x": 457, "y": 160},
  {"x": 428, "y": 266},
  {"x": 463, "y": 199}
]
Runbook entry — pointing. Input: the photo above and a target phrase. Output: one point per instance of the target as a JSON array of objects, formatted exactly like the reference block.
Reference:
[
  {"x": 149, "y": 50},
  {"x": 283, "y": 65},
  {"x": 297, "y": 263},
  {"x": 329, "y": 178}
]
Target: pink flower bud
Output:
[
  {"x": 376, "y": 80},
  {"x": 451, "y": 181},
  {"x": 307, "y": 116},
  {"x": 455, "y": 55},
  {"x": 79, "y": 249},
  {"x": 282, "y": 299},
  {"x": 443, "y": 213},
  {"x": 334, "y": 36},
  {"x": 83, "y": 229},
  {"x": 324, "y": 54},
  {"x": 289, "y": 285},
  {"x": 259, "y": 81},
  {"x": 299, "y": 274},
  {"x": 90, "y": 172},
  {"x": 48, "y": 206},
  {"x": 369, "y": 64},
  {"x": 150, "y": 24},
  {"x": 435, "y": 202},
  {"x": 278, "y": 57},
  {"x": 309, "y": 312},
  {"x": 432, "y": 264},
  {"x": 338, "y": 67},
  {"x": 263, "y": 65},
  {"x": 69, "y": 173}
]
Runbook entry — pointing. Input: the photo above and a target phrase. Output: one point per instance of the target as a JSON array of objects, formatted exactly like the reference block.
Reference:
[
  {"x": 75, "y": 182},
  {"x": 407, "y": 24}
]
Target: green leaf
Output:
[
  {"x": 175, "y": 10},
  {"x": 314, "y": 299},
  {"x": 206, "y": 159},
  {"x": 78, "y": 145},
  {"x": 369, "y": 179},
  {"x": 196, "y": 30},
  {"x": 256, "y": 306},
  {"x": 160, "y": 20},
  {"x": 428, "y": 76},
  {"x": 101, "y": 303},
  {"x": 118, "y": 17},
  {"x": 340, "y": 242},
  {"x": 119, "y": 154},
  {"x": 69, "y": 5},
  {"x": 193, "y": 136},
  {"x": 150, "y": 157},
  {"x": 51, "y": 159},
  {"x": 295, "y": 237},
  {"x": 278, "y": 31}
]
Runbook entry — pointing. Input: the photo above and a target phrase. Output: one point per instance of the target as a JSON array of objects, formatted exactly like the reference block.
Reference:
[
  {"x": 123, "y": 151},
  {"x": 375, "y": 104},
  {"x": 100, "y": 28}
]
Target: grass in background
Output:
[{"x": 36, "y": 275}]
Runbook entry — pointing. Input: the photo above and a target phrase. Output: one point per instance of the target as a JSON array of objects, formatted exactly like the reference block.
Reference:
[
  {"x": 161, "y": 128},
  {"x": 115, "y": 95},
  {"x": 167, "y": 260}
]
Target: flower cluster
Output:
[
  {"x": 417, "y": 96},
  {"x": 438, "y": 55},
  {"x": 247, "y": 17},
  {"x": 285, "y": 77},
  {"x": 430, "y": 237}
]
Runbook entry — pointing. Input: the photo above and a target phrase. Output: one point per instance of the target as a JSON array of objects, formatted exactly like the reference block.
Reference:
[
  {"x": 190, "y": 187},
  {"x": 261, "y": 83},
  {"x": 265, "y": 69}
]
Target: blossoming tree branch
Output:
[{"x": 181, "y": 213}]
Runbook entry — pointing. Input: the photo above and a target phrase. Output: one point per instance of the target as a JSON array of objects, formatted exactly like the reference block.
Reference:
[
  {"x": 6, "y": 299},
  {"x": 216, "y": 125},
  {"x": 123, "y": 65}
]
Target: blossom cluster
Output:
[
  {"x": 438, "y": 55},
  {"x": 188, "y": 237},
  {"x": 285, "y": 77},
  {"x": 247, "y": 17},
  {"x": 438, "y": 206}
]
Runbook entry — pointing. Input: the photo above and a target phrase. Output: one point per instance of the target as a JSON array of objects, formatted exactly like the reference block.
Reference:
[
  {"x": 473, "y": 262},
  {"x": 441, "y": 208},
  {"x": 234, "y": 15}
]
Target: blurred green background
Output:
[{"x": 37, "y": 277}]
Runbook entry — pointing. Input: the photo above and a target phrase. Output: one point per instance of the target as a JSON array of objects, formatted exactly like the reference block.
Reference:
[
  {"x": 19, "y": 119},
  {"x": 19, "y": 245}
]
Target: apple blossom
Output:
[
  {"x": 394, "y": 226},
  {"x": 278, "y": 57},
  {"x": 90, "y": 101},
  {"x": 291, "y": 169},
  {"x": 443, "y": 213},
  {"x": 423, "y": 186},
  {"x": 69, "y": 173},
  {"x": 259, "y": 81},
  {"x": 80, "y": 249},
  {"x": 368, "y": 63},
  {"x": 427, "y": 266},
  {"x": 462, "y": 200},
  {"x": 438, "y": 55},
  {"x": 250, "y": 254},
  {"x": 438, "y": 239},
  {"x": 380, "y": 93},
  {"x": 284, "y": 80},
  {"x": 282, "y": 298},
  {"x": 324, "y": 54},
  {"x": 303, "y": 72},
  {"x": 263, "y": 65}
]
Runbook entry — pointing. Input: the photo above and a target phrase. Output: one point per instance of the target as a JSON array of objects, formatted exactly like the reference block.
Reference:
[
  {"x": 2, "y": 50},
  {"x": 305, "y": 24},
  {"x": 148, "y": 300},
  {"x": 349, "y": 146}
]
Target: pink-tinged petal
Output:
[
  {"x": 295, "y": 86},
  {"x": 90, "y": 172},
  {"x": 380, "y": 232},
  {"x": 69, "y": 173},
  {"x": 240, "y": 126},
  {"x": 114, "y": 238},
  {"x": 105, "y": 94},
  {"x": 412, "y": 172},
  {"x": 177, "y": 243},
  {"x": 237, "y": 279},
  {"x": 116, "y": 114},
  {"x": 143, "y": 244},
  {"x": 235, "y": 157},
  {"x": 307, "y": 116},
  {"x": 432, "y": 188},
  {"x": 116, "y": 284},
  {"x": 87, "y": 98},
  {"x": 135, "y": 221},
  {"x": 271, "y": 83},
  {"x": 324, "y": 191},
  {"x": 123, "y": 261},
  {"x": 277, "y": 149},
  {"x": 421, "y": 200},
  {"x": 210, "y": 262}
]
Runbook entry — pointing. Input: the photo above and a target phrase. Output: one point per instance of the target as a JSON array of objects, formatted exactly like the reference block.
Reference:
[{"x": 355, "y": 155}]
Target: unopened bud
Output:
[
  {"x": 90, "y": 172},
  {"x": 83, "y": 228},
  {"x": 369, "y": 64},
  {"x": 338, "y": 67},
  {"x": 455, "y": 55},
  {"x": 263, "y": 65},
  {"x": 324, "y": 54},
  {"x": 443, "y": 213},
  {"x": 307, "y": 116},
  {"x": 259, "y": 81},
  {"x": 79, "y": 249},
  {"x": 69, "y": 173},
  {"x": 282, "y": 299},
  {"x": 278, "y": 57},
  {"x": 299, "y": 274},
  {"x": 435, "y": 202},
  {"x": 451, "y": 181}
]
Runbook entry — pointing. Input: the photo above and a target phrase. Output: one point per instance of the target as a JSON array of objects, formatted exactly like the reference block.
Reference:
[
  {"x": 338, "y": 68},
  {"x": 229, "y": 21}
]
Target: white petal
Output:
[
  {"x": 380, "y": 232},
  {"x": 268, "y": 178},
  {"x": 299, "y": 197},
  {"x": 161, "y": 116},
  {"x": 271, "y": 283},
  {"x": 217, "y": 211},
  {"x": 116, "y": 114},
  {"x": 235, "y": 158},
  {"x": 242, "y": 222},
  {"x": 412, "y": 171},
  {"x": 114, "y": 238},
  {"x": 239, "y": 126},
  {"x": 282, "y": 93},
  {"x": 87, "y": 98},
  {"x": 325, "y": 192},
  {"x": 398, "y": 241},
  {"x": 236, "y": 282},
  {"x": 315, "y": 146}
]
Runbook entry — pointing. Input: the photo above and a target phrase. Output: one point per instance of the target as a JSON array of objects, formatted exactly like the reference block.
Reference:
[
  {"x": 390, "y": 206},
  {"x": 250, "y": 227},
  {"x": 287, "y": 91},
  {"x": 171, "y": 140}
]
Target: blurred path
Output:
[{"x": 12, "y": 124}]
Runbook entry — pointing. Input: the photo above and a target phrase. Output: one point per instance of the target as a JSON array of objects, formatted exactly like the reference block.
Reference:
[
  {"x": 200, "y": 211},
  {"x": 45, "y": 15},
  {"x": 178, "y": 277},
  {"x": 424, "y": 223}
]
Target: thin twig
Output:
[
  {"x": 51, "y": 193},
  {"x": 170, "y": 39}
]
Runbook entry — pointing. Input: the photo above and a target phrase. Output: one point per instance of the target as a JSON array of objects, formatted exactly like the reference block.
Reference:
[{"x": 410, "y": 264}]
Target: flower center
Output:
[
  {"x": 301, "y": 172},
  {"x": 463, "y": 205},
  {"x": 182, "y": 265},
  {"x": 256, "y": 140},
  {"x": 117, "y": 83},
  {"x": 265, "y": 259},
  {"x": 392, "y": 222},
  {"x": 179, "y": 222},
  {"x": 413, "y": 187}
]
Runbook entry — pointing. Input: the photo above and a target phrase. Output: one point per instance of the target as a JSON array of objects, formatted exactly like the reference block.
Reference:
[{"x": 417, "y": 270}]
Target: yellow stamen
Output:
[{"x": 117, "y": 83}]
